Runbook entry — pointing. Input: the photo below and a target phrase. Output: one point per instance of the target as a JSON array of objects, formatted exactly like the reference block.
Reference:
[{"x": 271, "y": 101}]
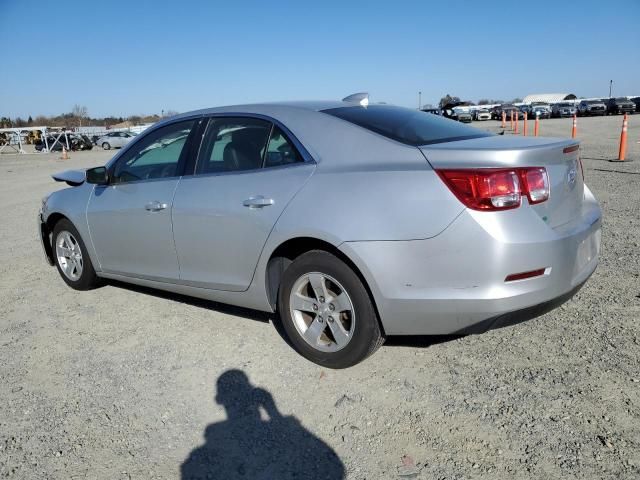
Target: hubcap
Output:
[
  {"x": 69, "y": 255},
  {"x": 322, "y": 312}
]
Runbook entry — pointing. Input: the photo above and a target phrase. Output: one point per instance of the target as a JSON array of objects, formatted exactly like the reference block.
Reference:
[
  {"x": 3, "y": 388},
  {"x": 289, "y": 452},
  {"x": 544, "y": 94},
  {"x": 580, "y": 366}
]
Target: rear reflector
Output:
[
  {"x": 523, "y": 275},
  {"x": 490, "y": 189},
  {"x": 570, "y": 149}
]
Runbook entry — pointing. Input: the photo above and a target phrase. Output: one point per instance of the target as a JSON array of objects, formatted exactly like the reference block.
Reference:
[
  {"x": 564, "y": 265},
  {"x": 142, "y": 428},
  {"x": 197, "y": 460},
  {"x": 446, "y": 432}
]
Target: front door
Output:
[
  {"x": 246, "y": 174},
  {"x": 130, "y": 219}
]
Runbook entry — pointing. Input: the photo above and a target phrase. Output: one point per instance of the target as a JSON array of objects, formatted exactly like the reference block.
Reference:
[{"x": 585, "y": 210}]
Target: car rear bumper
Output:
[{"x": 455, "y": 282}]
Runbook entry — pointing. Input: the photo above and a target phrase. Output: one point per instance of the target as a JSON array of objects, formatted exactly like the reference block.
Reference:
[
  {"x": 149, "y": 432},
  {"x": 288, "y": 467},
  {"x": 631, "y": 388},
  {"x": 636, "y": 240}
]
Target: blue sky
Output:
[{"x": 131, "y": 57}]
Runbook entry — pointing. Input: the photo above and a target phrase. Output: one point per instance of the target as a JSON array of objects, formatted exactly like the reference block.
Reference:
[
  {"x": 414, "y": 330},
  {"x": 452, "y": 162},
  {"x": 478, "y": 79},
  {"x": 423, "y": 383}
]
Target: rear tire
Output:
[
  {"x": 326, "y": 311},
  {"x": 71, "y": 257}
]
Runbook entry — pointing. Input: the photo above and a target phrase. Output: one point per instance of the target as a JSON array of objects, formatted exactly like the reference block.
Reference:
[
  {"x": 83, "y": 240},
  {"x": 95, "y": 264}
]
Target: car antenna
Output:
[{"x": 362, "y": 98}]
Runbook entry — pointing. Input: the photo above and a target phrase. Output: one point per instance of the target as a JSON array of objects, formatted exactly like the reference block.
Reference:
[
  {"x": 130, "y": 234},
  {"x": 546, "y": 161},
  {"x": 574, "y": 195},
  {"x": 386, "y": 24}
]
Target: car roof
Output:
[
  {"x": 315, "y": 130},
  {"x": 312, "y": 105}
]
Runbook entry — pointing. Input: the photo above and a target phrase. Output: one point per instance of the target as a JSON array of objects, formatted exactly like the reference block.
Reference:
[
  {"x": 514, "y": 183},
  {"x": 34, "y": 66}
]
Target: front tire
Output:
[
  {"x": 326, "y": 311},
  {"x": 106, "y": 146},
  {"x": 71, "y": 257}
]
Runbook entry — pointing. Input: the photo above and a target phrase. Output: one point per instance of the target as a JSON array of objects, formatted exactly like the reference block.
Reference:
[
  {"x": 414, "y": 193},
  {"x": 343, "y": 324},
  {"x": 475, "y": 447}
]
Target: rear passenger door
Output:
[{"x": 247, "y": 171}]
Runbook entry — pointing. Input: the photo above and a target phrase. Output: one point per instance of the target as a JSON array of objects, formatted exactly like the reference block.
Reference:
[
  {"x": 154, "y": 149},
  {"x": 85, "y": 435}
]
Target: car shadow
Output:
[
  {"x": 256, "y": 441},
  {"x": 419, "y": 341},
  {"x": 242, "y": 312}
]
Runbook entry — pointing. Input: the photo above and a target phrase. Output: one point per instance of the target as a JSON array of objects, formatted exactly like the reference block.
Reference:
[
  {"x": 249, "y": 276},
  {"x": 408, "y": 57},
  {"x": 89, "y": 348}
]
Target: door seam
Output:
[{"x": 173, "y": 236}]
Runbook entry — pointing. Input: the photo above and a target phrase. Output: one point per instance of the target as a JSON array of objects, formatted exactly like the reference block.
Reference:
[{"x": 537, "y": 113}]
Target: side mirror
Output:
[{"x": 98, "y": 175}]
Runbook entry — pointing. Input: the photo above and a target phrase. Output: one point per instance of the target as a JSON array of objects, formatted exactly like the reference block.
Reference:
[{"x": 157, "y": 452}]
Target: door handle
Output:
[
  {"x": 257, "y": 202},
  {"x": 155, "y": 206}
]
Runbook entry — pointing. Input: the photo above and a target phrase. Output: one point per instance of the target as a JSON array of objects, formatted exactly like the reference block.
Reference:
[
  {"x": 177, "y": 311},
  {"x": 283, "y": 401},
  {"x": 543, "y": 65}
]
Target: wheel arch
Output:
[{"x": 289, "y": 250}]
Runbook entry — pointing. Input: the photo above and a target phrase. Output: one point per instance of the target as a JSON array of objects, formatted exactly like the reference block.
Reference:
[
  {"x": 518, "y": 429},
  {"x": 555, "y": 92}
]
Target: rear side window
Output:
[
  {"x": 233, "y": 144},
  {"x": 405, "y": 125},
  {"x": 280, "y": 150}
]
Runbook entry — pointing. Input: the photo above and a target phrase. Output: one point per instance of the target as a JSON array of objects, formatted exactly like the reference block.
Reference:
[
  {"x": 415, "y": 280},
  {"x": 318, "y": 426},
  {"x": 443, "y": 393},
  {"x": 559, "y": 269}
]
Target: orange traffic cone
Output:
[
  {"x": 511, "y": 120},
  {"x": 536, "y": 126},
  {"x": 504, "y": 120},
  {"x": 622, "y": 151},
  {"x": 524, "y": 129},
  {"x": 574, "y": 130},
  {"x": 517, "y": 122}
]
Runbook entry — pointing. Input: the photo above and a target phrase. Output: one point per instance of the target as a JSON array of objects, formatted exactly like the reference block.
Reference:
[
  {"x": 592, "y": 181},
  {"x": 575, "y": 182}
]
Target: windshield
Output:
[{"x": 405, "y": 125}]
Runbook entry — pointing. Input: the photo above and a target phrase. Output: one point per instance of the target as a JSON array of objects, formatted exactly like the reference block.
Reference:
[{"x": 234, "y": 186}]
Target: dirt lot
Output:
[{"x": 127, "y": 383}]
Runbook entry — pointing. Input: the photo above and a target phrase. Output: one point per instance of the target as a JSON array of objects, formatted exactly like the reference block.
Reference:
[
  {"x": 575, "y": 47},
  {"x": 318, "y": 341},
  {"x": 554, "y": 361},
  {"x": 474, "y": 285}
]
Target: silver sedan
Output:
[
  {"x": 115, "y": 139},
  {"x": 352, "y": 222}
]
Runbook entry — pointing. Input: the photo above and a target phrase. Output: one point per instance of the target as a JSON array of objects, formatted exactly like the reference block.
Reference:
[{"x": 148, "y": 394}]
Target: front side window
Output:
[
  {"x": 157, "y": 155},
  {"x": 233, "y": 144}
]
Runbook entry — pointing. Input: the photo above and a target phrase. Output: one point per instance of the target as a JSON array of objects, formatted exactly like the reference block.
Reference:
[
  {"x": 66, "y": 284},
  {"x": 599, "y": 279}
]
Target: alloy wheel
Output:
[
  {"x": 69, "y": 255},
  {"x": 322, "y": 312}
]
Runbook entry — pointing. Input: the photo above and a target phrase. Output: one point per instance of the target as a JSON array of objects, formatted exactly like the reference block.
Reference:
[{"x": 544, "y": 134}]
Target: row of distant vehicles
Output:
[
  {"x": 79, "y": 141},
  {"x": 610, "y": 106}
]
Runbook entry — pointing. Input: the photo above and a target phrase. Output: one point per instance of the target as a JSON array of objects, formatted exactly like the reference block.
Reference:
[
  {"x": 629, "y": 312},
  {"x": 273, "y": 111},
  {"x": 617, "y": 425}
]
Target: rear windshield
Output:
[{"x": 405, "y": 125}]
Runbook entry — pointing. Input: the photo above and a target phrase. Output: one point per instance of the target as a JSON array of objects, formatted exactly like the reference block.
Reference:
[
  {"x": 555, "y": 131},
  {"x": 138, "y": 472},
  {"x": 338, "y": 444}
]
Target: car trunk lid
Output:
[{"x": 560, "y": 157}]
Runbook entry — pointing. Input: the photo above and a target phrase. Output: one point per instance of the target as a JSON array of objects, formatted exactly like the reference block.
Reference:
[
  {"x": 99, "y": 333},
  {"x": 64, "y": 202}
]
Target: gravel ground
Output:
[{"x": 129, "y": 383}]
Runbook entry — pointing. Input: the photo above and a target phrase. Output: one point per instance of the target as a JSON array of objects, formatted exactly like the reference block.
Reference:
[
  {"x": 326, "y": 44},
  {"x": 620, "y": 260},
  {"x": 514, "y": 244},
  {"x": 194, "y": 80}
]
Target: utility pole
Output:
[
  {"x": 419, "y": 100},
  {"x": 610, "y": 86}
]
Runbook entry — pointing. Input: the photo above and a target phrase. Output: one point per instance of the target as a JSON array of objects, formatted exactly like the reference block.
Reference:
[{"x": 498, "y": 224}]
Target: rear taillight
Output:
[
  {"x": 491, "y": 189},
  {"x": 535, "y": 184}
]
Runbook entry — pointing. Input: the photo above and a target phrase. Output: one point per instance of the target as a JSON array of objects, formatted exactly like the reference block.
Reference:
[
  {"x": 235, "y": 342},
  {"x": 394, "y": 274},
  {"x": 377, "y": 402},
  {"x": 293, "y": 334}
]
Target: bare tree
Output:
[
  {"x": 448, "y": 99},
  {"x": 79, "y": 112}
]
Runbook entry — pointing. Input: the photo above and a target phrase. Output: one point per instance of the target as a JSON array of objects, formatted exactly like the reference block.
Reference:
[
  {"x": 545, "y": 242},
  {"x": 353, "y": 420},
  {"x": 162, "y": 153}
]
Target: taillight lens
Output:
[
  {"x": 536, "y": 184},
  {"x": 497, "y": 189}
]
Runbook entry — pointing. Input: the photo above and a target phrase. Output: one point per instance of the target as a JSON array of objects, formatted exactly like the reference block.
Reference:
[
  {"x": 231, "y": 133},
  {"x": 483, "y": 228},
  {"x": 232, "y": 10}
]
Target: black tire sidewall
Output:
[
  {"x": 88, "y": 279},
  {"x": 367, "y": 336}
]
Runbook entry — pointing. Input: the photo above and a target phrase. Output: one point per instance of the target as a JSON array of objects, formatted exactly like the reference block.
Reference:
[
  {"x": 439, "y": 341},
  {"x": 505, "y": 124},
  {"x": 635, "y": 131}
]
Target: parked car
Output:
[
  {"x": 636, "y": 101},
  {"x": 560, "y": 110},
  {"x": 456, "y": 111},
  {"x": 540, "y": 110},
  {"x": 351, "y": 222},
  {"x": 507, "y": 109},
  {"x": 115, "y": 139},
  {"x": 591, "y": 107},
  {"x": 483, "y": 114},
  {"x": 616, "y": 106},
  {"x": 76, "y": 142},
  {"x": 496, "y": 112}
]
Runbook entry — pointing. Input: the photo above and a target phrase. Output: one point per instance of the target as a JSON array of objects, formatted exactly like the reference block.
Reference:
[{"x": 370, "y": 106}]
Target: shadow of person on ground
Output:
[{"x": 246, "y": 446}]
